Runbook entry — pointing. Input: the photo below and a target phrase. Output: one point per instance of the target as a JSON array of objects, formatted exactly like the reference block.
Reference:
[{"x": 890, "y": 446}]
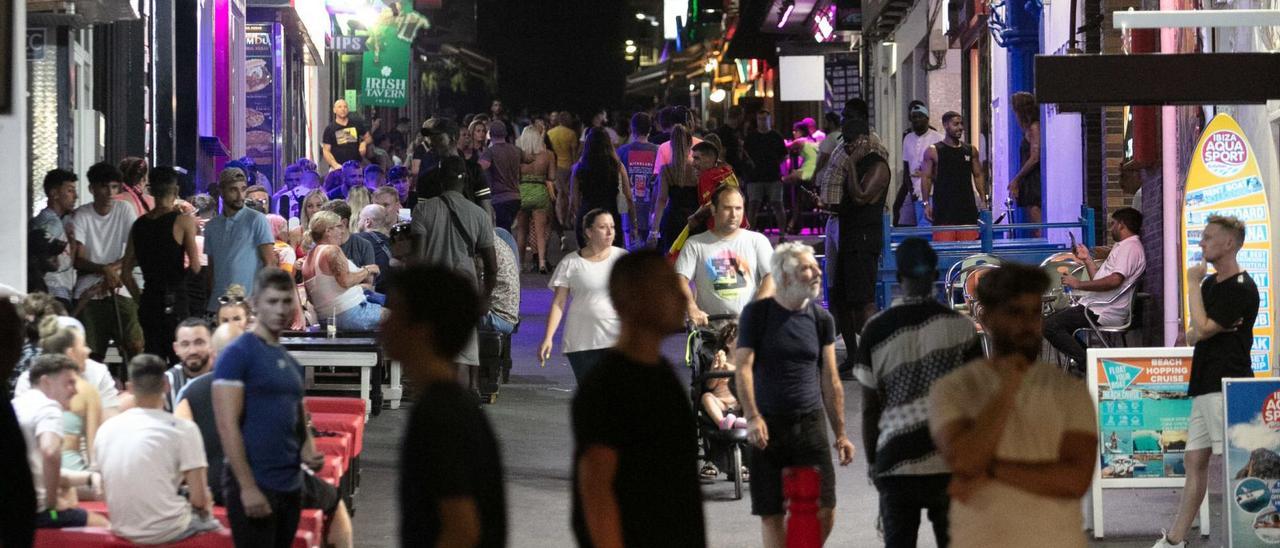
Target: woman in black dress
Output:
[
  {"x": 677, "y": 196},
  {"x": 159, "y": 243},
  {"x": 598, "y": 181},
  {"x": 1026, "y": 188}
]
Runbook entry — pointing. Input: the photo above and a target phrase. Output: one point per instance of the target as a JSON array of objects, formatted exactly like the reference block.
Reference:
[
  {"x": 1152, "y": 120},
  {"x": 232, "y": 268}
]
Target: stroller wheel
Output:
[{"x": 736, "y": 469}]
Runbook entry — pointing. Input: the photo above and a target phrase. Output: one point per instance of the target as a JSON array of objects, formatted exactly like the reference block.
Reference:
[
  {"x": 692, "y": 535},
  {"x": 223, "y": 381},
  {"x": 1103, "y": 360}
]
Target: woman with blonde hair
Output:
[
  {"x": 537, "y": 192},
  {"x": 300, "y": 237},
  {"x": 357, "y": 198},
  {"x": 133, "y": 188},
  {"x": 333, "y": 281},
  {"x": 80, "y": 421}
]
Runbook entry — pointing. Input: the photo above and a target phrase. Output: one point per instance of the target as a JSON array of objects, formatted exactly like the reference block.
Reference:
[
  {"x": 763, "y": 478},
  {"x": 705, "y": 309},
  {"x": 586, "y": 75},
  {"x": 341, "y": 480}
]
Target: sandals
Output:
[{"x": 709, "y": 471}]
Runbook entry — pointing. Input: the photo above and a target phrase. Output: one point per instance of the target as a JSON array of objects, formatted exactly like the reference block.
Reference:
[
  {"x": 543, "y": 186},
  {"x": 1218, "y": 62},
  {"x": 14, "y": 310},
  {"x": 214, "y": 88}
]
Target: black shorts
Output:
[
  {"x": 71, "y": 517},
  {"x": 799, "y": 440},
  {"x": 317, "y": 494},
  {"x": 856, "y": 276},
  {"x": 1029, "y": 191}
]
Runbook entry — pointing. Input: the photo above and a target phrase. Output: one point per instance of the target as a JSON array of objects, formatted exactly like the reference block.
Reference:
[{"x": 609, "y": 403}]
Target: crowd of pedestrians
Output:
[{"x": 427, "y": 248}]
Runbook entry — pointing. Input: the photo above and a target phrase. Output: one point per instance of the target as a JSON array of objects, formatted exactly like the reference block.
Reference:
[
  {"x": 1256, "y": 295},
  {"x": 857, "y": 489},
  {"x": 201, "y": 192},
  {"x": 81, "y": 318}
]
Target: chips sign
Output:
[{"x": 1224, "y": 179}]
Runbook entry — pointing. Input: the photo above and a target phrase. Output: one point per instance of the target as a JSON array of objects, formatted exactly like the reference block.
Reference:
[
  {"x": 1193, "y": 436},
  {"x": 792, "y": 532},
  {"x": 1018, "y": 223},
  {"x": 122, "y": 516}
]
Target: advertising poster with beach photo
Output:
[
  {"x": 260, "y": 98},
  {"x": 1251, "y": 461},
  {"x": 1142, "y": 415}
]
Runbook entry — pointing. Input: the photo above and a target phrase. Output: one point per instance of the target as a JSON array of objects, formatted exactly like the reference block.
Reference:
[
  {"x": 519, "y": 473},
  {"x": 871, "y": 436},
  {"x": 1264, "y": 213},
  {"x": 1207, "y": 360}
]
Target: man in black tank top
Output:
[{"x": 952, "y": 181}]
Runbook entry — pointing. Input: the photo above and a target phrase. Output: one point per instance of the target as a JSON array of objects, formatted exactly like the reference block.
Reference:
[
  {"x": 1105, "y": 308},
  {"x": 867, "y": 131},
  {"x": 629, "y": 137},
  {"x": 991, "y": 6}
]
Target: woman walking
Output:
[
  {"x": 597, "y": 181},
  {"x": 592, "y": 325},
  {"x": 163, "y": 244},
  {"x": 537, "y": 192},
  {"x": 677, "y": 196}
]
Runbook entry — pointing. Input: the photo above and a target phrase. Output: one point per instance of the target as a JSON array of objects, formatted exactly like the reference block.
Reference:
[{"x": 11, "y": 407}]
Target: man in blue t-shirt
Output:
[
  {"x": 257, "y": 401},
  {"x": 238, "y": 242},
  {"x": 638, "y": 156},
  {"x": 786, "y": 385}
]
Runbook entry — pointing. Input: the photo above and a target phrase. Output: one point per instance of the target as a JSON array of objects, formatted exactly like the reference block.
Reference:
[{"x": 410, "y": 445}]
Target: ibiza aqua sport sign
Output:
[{"x": 1224, "y": 179}]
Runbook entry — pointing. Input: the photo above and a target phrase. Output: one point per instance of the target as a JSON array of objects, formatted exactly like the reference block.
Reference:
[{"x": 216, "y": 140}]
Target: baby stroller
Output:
[{"x": 723, "y": 448}]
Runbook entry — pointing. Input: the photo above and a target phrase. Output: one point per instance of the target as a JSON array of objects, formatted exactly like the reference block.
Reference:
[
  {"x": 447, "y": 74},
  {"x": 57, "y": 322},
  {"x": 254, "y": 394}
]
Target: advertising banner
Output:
[
  {"x": 1252, "y": 461},
  {"x": 1143, "y": 410},
  {"x": 384, "y": 81},
  {"x": 260, "y": 98},
  {"x": 1225, "y": 179}
]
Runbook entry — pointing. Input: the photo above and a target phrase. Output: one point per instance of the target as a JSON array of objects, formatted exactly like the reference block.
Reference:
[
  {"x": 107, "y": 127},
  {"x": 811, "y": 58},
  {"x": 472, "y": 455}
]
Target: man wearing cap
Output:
[
  {"x": 238, "y": 243},
  {"x": 908, "y": 210},
  {"x": 345, "y": 139},
  {"x": 904, "y": 350},
  {"x": 446, "y": 165},
  {"x": 501, "y": 165}
]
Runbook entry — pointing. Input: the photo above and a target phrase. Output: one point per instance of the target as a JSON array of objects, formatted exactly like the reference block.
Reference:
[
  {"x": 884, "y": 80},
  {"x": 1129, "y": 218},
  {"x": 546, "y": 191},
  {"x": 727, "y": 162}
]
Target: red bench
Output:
[{"x": 310, "y": 532}]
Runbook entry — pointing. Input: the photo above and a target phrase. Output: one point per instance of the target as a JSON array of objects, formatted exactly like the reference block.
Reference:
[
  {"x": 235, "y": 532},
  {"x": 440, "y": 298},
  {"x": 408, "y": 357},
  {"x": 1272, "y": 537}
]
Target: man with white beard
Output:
[{"x": 786, "y": 385}]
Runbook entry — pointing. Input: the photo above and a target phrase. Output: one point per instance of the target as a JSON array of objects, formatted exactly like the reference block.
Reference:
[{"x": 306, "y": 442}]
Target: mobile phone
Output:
[{"x": 1073, "y": 241}]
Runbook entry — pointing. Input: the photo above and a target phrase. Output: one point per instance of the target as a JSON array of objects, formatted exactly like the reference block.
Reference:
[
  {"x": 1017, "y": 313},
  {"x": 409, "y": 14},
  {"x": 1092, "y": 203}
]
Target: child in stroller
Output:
[{"x": 718, "y": 402}]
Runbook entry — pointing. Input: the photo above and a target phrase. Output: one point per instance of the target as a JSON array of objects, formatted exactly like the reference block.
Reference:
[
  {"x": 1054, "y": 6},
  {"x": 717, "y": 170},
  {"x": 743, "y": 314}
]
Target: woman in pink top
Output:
[{"x": 134, "y": 186}]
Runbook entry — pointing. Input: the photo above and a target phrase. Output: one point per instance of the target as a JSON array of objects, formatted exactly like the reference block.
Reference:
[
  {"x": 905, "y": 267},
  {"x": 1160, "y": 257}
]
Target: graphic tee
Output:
[
  {"x": 725, "y": 272},
  {"x": 344, "y": 140},
  {"x": 639, "y": 158}
]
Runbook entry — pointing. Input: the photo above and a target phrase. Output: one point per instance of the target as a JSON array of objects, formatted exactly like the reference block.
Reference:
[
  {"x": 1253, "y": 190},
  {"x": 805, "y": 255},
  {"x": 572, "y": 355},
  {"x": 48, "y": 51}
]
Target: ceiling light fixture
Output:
[
  {"x": 784, "y": 12},
  {"x": 640, "y": 16}
]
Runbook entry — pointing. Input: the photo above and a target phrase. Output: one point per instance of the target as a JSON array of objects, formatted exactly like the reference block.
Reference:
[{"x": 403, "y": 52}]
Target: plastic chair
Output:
[{"x": 952, "y": 279}]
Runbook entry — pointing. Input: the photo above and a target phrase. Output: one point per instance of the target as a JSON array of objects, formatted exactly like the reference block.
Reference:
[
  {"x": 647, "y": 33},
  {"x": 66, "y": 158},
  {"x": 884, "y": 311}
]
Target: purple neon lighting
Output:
[{"x": 782, "y": 21}]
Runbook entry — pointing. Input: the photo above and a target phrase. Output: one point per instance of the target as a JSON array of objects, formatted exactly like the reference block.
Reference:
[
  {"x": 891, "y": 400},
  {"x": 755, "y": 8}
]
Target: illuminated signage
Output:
[{"x": 824, "y": 24}]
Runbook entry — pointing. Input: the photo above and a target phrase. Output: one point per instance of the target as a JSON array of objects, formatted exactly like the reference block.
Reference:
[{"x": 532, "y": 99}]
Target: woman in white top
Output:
[
  {"x": 592, "y": 325},
  {"x": 333, "y": 281}
]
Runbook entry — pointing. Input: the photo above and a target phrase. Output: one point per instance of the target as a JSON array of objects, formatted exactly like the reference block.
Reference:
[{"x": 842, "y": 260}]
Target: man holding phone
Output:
[{"x": 1105, "y": 296}]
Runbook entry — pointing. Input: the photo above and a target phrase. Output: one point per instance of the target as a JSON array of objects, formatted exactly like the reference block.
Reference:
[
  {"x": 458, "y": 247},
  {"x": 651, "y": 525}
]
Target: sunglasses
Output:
[{"x": 228, "y": 299}]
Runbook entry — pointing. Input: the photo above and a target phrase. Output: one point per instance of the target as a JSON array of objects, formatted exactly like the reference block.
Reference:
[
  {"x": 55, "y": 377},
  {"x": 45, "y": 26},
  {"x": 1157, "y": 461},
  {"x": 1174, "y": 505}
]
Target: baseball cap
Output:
[
  {"x": 437, "y": 125},
  {"x": 231, "y": 175},
  {"x": 920, "y": 109},
  {"x": 916, "y": 259}
]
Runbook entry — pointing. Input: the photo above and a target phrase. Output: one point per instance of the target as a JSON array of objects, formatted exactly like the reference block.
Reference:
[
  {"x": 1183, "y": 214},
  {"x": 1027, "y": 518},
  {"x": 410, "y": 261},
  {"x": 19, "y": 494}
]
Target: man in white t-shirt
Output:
[
  {"x": 908, "y": 209},
  {"x": 39, "y": 413},
  {"x": 1020, "y": 436},
  {"x": 729, "y": 266},
  {"x": 101, "y": 233},
  {"x": 1106, "y": 295},
  {"x": 145, "y": 455}
]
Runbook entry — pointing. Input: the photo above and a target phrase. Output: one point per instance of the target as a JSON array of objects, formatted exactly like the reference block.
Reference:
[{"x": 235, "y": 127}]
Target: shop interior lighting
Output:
[
  {"x": 718, "y": 95},
  {"x": 788, "y": 6},
  {"x": 640, "y": 16},
  {"x": 629, "y": 42},
  {"x": 1181, "y": 19},
  {"x": 630, "y": 49}
]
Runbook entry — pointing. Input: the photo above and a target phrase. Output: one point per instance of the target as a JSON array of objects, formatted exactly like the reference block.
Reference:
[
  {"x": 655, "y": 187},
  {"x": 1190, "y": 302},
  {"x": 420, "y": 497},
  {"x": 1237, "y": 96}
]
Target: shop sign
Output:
[
  {"x": 384, "y": 82},
  {"x": 1143, "y": 411},
  {"x": 1251, "y": 461},
  {"x": 35, "y": 44},
  {"x": 349, "y": 44},
  {"x": 260, "y": 98},
  {"x": 1224, "y": 179}
]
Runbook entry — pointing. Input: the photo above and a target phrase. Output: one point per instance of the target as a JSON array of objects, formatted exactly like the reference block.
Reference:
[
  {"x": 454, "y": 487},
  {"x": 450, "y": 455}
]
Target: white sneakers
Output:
[{"x": 1164, "y": 542}]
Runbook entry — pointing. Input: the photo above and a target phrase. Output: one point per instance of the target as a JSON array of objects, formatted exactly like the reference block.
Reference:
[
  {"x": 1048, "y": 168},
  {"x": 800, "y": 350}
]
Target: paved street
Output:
[{"x": 532, "y": 421}]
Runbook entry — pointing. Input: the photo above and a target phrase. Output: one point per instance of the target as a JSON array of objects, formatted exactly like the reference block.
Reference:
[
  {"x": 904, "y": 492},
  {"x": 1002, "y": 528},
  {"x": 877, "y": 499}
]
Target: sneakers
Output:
[{"x": 1164, "y": 542}]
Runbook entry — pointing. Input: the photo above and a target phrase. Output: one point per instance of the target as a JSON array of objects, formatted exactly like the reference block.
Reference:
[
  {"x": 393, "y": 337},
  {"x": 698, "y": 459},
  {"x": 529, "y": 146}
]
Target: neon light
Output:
[{"x": 782, "y": 21}]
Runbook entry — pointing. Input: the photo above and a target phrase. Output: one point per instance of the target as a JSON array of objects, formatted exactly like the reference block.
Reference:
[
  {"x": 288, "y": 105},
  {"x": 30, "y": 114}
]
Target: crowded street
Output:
[{"x": 639, "y": 273}]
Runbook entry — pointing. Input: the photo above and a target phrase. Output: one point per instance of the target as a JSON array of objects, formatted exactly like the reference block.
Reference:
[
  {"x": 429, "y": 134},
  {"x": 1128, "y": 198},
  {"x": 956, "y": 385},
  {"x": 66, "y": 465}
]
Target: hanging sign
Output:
[
  {"x": 1225, "y": 179},
  {"x": 1251, "y": 462},
  {"x": 384, "y": 82}
]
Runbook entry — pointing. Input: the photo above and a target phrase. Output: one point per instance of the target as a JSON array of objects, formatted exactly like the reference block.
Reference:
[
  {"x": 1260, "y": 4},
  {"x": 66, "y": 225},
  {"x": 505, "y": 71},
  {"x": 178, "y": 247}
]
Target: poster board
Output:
[
  {"x": 1141, "y": 398},
  {"x": 1251, "y": 464},
  {"x": 1224, "y": 179}
]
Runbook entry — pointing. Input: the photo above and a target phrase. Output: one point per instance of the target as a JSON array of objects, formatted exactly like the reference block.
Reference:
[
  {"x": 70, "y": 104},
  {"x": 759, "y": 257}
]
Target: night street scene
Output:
[{"x": 639, "y": 273}]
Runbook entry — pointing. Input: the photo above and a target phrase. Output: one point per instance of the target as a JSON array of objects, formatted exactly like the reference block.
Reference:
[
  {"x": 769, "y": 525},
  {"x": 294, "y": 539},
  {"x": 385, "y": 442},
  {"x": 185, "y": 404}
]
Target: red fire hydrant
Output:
[{"x": 801, "y": 487}]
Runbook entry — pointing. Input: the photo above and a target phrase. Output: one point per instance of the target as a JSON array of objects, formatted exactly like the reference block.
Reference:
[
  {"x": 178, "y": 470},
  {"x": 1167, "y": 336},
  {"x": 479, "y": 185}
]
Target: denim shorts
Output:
[{"x": 364, "y": 317}]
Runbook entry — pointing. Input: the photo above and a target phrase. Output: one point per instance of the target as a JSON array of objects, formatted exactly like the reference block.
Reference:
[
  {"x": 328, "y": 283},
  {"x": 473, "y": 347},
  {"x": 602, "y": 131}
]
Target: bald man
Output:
[
  {"x": 375, "y": 230},
  {"x": 344, "y": 139}
]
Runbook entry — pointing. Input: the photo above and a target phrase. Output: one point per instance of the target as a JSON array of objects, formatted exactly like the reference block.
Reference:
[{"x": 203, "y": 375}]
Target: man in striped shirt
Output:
[
  {"x": 904, "y": 349},
  {"x": 191, "y": 345}
]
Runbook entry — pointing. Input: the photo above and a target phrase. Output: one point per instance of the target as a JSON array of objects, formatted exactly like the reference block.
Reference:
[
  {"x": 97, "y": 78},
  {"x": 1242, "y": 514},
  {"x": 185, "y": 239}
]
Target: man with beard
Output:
[
  {"x": 787, "y": 382},
  {"x": 1020, "y": 436},
  {"x": 191, "y": 346},
  {"x": 951, "y": 182}
]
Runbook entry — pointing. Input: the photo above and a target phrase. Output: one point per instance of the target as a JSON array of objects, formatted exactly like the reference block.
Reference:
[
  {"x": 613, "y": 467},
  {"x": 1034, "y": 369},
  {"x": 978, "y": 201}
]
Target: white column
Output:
[{"x": 13, "y": 139}]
